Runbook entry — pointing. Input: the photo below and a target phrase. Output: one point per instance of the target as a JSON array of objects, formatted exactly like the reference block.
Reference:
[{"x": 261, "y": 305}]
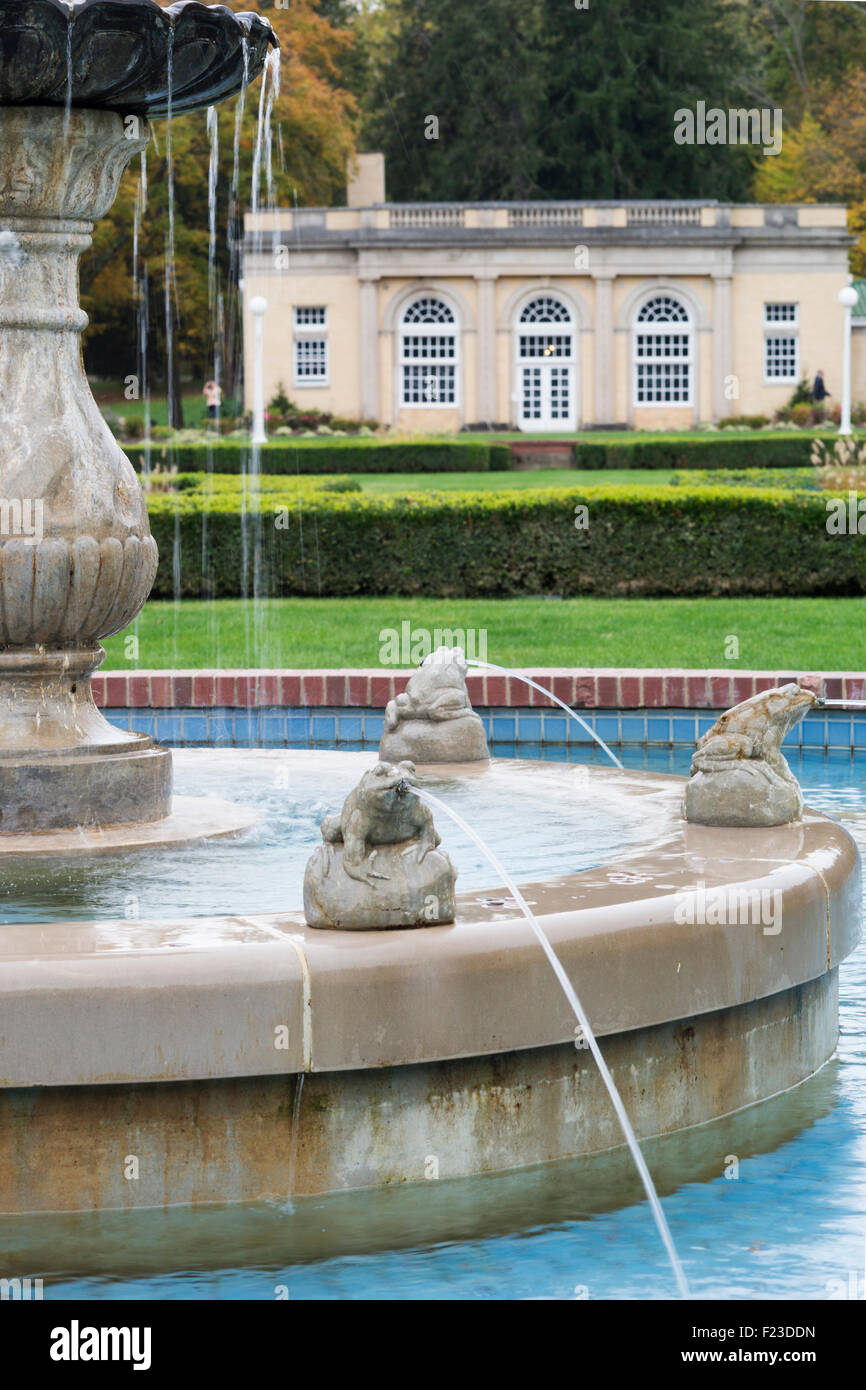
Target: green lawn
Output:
[
  {"x": 109, "y": 397},
  {"x": 402, "y": 483},
  {"x": 797, "y": 634}
]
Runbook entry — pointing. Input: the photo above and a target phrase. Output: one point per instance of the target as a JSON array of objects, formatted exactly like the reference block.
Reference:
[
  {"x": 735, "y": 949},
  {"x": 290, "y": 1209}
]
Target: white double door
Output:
[{"x": 546, "y": 394}]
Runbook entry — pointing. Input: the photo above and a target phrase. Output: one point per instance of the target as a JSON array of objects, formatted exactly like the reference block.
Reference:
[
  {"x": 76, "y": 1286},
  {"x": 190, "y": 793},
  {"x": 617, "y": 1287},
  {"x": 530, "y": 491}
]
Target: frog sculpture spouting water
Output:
[
  {"x": 380, "y": 864},
  {"x": 739, "y": 776}
]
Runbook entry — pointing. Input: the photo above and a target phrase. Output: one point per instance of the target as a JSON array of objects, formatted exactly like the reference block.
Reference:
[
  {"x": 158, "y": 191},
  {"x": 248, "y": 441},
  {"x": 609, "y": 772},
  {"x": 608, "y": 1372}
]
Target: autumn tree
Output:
[
  {"x": 815, "y": 71},
  {"x": 802, "y": 49},
  {"x": 823, "y": 160},
  {"x": 313, "y": 132}
]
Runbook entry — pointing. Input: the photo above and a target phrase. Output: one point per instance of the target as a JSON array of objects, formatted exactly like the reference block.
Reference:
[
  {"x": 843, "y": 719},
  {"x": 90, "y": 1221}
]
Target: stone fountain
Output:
[
  {"x": 191, "y": 1038},
  {"x": 77, "y": 560}
]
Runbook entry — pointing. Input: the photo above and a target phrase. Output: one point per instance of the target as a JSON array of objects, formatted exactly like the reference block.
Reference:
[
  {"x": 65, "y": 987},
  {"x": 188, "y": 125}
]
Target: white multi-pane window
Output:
[
  {"x": 545, "y": 365},
  {"x": 310, "y": 345},
  {"x": 781, "y": 313},
  {"x": 428, "y": 354},
  {"x": 310, "y": 315},
  {"x": 781, "y": 343},
  {"x": 663, "y": 356}
]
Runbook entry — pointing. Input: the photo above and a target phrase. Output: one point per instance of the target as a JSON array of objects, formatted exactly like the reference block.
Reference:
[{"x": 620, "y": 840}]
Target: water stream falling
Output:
[
  {"x": 212, "y": 173},
  {"x": 273, "y": 60},
  {"x": 252, "y": 539},
  {"x": 234, "y": 191},
  {"x": 578, "y": 1010},
  {"x": 171, "y": 316},
  {"x": 143, "y": 317},
  {"x": 169, "y": 153},
  {"x": 255, "y": 195},
  {"x": 293, "y": 1145},
  {"x": 234, "y": 329},
  {"x": 215, "y": 309},
  {"x": 507, "y": 671},
  {"x": 140, "y": 298}
]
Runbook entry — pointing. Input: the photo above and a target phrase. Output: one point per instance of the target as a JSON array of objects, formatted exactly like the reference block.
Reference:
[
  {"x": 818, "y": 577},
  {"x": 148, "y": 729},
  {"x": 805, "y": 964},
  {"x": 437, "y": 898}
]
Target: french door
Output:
[{"x": 546, "y": 391}]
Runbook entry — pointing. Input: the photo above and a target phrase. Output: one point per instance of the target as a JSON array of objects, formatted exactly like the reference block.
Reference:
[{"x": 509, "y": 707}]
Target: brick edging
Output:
[{"x": 582, "y": 688}]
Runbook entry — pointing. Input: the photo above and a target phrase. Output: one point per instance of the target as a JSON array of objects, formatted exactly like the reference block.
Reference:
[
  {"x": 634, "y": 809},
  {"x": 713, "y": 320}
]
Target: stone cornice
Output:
[{"x": 489, "y": 238}]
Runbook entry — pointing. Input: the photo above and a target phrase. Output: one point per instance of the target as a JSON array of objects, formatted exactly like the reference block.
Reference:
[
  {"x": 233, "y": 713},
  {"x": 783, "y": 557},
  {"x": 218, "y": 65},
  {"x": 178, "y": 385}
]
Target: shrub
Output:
[
  {"x": 279, "y": 404},
  {"x": 744, "y": 422},
  {"x": 718, "y": 450},
  {"x": 640, "y": 540},
  {"x": 801, "y": 414},
  {"x": 309, "y": 419},
  {"x": 802, "y": 393},
  {"x": 340, "y": 485},
  {"x": 320, "y": 455},
  {"x": 133, "y": 427},
  {"x": 796, "y": 479}
]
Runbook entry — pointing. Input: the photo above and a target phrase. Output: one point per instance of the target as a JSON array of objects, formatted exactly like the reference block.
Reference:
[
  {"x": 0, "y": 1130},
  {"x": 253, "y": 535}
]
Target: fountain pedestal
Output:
[{"x": 77, "y": 559}]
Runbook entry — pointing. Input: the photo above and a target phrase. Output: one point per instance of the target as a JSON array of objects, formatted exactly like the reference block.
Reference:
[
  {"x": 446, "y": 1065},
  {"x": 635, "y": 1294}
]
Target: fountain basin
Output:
[
  {"x": 433, "y": 1053},
  {"x": 118, "y": 54}
]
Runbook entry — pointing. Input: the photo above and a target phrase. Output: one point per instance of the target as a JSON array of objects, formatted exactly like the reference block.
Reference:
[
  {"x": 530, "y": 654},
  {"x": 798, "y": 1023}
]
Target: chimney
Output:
[{"x": 365, "y": 179}]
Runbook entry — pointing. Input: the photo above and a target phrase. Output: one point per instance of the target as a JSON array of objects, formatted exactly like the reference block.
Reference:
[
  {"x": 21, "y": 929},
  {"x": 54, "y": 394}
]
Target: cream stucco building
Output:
[{"x": 545, "y": 316}]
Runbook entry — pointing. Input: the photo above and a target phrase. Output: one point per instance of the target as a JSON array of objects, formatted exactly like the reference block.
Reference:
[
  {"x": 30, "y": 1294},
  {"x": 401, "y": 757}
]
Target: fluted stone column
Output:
[
  {"x": 486, "y": 406},
  {"x": 722, "y": 345},
  {"x": 604, "y": 395},
  {"x": 369, "y": 343},
  {"x": 77, "y": 559}
]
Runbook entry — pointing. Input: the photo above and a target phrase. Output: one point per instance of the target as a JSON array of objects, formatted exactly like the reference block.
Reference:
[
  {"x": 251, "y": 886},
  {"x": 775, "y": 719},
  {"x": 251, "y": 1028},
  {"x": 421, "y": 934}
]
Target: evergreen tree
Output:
[
  {"x": 617, "y": 72},
  {"x": 539, "y": 98},
  {"x": 458, "y": 105}
]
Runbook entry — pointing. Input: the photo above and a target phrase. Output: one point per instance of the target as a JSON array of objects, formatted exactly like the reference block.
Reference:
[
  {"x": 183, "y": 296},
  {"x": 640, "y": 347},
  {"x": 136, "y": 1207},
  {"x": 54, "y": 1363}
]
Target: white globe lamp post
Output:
[
  {"x": 847, "y": 298},
  {"x": 258, "y": 309}
]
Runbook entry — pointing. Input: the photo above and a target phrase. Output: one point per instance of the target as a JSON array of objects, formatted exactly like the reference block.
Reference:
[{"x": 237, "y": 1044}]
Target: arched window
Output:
[
  {"x": 545, "y": 309},
  {"x": 428, "y": 353},
  {"x": 663, "y": 353},
  {"x": 545, "y": 358}
]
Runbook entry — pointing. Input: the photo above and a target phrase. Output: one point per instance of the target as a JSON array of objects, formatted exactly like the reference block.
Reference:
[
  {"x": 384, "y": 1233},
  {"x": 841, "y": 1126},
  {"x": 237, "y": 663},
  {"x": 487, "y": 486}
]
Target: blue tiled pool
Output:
[{"x": 284, "y": 727}]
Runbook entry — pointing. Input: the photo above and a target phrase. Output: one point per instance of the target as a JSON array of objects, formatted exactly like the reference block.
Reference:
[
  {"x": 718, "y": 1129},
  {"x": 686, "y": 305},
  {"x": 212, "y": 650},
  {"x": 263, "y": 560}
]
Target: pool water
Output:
[
  {"x": 540, "y": 823},
  {"x": 791, "y": 1223}
]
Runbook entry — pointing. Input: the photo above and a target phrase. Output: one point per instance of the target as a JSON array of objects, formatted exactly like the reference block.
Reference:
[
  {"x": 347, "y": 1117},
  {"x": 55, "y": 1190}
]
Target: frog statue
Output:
[
  {"x": 739, "y": 776},
  {"x": 379, "y": 864},
  {"x": 433, "y": 720}
]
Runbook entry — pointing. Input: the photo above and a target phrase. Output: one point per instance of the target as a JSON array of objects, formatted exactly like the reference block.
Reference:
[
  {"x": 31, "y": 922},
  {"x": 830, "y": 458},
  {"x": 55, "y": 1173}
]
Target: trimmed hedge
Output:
[
  {"x": 331, "y": 456},
  {"x": 640, "y": 540},
  {"x": 788, "y": 449},
  {"x": 796, "y": 479}
]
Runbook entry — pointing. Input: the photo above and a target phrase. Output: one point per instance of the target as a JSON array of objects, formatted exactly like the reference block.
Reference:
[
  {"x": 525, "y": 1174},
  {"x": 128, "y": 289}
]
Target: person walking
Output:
[
  {"x": 213, "y": 395},
  {"x": 819, "y": 390}
]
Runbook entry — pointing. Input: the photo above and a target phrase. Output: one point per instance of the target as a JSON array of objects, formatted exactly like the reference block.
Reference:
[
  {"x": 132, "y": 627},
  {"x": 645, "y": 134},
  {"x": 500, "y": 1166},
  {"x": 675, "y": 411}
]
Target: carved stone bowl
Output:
[{"x": 123, "y": 54}]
